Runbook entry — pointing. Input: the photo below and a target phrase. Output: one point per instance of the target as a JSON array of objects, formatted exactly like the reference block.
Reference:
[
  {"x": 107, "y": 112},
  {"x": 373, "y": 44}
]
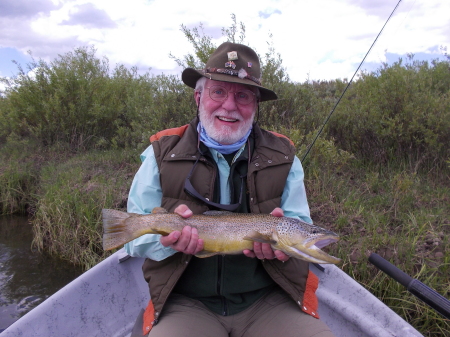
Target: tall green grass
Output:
[
  {"x": 72, "y": 192},
  {"x": 402, "y": 216},
  {"x": 19, "y": 176}
]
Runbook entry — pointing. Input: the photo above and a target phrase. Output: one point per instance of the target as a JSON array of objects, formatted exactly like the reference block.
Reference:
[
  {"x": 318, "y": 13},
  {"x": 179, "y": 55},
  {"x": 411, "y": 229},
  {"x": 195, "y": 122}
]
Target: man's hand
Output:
[
  {"x": 264, "y": 250},
  {"x": 186, "y": 241}
]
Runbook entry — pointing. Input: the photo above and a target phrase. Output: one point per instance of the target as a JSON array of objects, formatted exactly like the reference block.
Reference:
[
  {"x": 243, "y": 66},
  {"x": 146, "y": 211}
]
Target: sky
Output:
[{"x": 316, "y": 39}]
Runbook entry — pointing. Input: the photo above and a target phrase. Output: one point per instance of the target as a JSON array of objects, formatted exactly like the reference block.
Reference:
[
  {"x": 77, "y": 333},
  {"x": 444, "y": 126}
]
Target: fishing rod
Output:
[
  {"x": 414, "y": 286},
  {"x": 342, "y": 95},
  {"x": 348, "y": 84}
]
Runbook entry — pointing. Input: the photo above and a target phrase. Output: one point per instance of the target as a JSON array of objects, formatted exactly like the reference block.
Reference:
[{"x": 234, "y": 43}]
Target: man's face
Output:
[{"x": 228, "y": 121}]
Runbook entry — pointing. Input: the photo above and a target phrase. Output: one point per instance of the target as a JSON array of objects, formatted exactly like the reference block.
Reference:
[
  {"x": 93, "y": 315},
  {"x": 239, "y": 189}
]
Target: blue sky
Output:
[
  {"x": 7, "y": 55},
  {"x": 317, "y": 40}
]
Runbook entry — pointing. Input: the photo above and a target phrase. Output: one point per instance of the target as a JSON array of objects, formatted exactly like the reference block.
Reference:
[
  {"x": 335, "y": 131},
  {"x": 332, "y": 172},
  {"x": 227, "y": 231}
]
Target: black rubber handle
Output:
[{"x": 414, "y": 286}]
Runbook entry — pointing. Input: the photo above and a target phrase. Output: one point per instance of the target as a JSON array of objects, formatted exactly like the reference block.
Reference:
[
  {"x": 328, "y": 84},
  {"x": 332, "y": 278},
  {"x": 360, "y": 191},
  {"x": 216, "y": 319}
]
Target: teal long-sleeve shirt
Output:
[{"x": 145, "y": 194}]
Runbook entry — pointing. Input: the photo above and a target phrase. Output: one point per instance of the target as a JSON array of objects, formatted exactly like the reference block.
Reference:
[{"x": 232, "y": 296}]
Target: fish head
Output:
[{"x": 304, "y": 241}]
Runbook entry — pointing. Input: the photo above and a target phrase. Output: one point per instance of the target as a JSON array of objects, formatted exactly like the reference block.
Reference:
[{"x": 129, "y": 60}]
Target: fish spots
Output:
[{"x": 224, "y": 232}]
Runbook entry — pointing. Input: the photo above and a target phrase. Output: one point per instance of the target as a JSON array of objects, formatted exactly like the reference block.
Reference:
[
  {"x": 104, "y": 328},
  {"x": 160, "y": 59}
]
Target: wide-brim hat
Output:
[{"x": 231, "y": 62}]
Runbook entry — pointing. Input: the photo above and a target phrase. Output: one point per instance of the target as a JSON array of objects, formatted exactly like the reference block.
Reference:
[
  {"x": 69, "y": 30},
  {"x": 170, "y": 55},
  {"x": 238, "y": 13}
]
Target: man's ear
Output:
[{"x": 197, "y": 95}]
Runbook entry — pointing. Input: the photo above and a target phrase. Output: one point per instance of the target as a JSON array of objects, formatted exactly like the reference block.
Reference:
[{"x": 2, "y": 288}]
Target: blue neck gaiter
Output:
[{"x": 223, "y": 149}]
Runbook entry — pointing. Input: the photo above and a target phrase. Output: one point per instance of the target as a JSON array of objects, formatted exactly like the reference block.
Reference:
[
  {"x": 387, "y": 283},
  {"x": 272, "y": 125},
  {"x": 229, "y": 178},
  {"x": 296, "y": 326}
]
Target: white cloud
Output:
[{"x": 325, "y": 39}]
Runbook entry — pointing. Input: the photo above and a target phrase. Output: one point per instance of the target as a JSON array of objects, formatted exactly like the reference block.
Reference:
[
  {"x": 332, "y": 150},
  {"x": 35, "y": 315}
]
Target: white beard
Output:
[{"x": 224, "y": 135}]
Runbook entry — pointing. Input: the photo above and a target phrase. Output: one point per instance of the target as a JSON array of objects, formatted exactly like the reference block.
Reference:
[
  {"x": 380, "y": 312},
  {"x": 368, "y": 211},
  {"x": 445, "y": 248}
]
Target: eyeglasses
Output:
[
  {"x": 189, "y": 189},
  {"x": 220, "y": 94}
]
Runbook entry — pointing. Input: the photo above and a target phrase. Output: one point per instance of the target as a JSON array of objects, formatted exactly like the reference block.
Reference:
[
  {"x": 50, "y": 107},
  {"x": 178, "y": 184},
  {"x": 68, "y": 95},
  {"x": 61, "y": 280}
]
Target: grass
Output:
[
  {"x": 402, "y": 216},
  {"x": 68, "y": 217},
  {"x": 396, "y": 212},
  {"x": 69, "y": 192}
]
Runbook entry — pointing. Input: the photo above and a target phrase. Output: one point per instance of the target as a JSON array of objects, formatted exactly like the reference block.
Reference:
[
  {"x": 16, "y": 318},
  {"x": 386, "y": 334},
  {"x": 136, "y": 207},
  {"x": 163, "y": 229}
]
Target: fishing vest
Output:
[{"x": 270, "y": 157}]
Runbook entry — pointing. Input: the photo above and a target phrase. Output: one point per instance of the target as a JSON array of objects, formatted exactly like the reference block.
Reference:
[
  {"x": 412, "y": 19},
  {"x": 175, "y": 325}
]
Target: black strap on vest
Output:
[{"x": 189, "y": 189}]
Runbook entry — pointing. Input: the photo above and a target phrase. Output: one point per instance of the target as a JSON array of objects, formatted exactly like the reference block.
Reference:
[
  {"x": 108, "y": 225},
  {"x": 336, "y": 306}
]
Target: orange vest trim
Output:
[
  {"x": 179, "y": 131},
  {"x": 282, "y": 136},
  {"x": 148, "y": 318},
  {"x": 310, "y": 301}
]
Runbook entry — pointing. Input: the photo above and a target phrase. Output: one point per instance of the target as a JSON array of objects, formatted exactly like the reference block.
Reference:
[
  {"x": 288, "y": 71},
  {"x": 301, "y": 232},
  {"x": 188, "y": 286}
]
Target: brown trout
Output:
[{"x": 224, "y": 232}]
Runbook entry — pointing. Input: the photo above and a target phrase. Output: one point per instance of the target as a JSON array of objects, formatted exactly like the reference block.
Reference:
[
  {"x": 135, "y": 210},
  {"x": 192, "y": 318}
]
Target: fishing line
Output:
[{"x": 348, "y": 84}]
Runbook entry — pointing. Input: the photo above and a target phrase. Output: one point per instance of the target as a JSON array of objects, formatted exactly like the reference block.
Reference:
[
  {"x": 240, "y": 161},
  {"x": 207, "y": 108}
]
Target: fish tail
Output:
[{"x": 115, "y": 230}]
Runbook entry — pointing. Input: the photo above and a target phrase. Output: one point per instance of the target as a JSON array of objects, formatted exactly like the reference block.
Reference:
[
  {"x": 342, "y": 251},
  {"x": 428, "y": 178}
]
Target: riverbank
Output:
[
  {"x": 64, "y": 194},
  {"x": 398, "y": 213}
]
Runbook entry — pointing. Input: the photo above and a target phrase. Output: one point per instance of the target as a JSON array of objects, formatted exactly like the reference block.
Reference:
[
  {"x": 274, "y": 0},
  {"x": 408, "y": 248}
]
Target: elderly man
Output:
[{"x": 223, "y": 160}]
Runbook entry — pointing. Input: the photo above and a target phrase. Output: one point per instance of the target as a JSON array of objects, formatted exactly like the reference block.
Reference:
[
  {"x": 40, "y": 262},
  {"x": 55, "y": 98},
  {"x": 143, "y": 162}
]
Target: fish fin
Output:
[
  {"x": 217, "y": 213},
  {"x": 205, "y": 253},
  {"x": 305, "y": 256},
  {"x": 258, "y": 237},
  {"x": 159, "y": 231},
  {"x": 115, "y": 231},
  {"x": 159, "y": 210}
]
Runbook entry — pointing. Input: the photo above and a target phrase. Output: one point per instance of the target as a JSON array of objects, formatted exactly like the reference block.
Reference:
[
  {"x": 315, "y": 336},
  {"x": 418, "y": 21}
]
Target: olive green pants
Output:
[{"x": 274, "y": 315}]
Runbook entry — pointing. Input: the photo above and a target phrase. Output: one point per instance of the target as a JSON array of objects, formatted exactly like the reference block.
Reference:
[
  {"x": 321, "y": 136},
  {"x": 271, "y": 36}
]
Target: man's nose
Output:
[{"x": 230, "y": 102}]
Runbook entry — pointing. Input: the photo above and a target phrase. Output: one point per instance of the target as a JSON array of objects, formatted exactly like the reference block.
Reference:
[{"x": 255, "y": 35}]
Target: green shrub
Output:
[{"x": 398, "y": 113}]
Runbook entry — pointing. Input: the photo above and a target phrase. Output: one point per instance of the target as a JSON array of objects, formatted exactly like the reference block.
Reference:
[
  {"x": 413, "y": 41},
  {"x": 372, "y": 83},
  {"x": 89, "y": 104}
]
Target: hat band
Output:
[{"x": 233, "y": 73}]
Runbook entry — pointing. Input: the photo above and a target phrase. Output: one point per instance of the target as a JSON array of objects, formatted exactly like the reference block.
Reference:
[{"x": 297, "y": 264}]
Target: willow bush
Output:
[
  {"x": 76, "y": 100},
  {"x": 399, "y": 112},
  {"x": 62, "y": 100}
]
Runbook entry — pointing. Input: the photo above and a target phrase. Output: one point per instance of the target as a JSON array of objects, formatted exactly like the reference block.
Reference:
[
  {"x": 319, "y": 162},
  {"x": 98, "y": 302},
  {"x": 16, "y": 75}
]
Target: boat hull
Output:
[{"x": 107, "y": 299}]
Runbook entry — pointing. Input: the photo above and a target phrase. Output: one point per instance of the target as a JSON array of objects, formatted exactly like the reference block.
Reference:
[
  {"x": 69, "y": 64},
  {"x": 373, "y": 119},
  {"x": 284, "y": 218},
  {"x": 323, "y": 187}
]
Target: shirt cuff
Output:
[{"x": 149, "y": 246}]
